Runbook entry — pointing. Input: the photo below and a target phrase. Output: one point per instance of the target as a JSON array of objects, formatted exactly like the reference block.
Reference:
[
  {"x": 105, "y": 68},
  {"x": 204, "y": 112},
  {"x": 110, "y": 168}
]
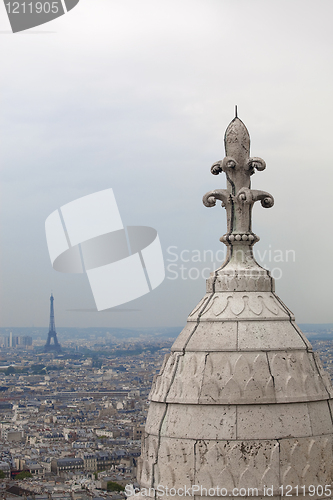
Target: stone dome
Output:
[{"x": 242, "y": 406}]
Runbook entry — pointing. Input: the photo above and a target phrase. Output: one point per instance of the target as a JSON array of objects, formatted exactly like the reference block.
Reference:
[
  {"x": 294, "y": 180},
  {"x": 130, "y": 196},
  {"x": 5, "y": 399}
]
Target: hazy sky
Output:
[{"x": 136, "y": 96}]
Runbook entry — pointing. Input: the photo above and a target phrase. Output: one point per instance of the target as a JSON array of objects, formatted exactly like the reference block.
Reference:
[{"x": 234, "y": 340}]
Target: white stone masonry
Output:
[{"x": 242, "y": 400}]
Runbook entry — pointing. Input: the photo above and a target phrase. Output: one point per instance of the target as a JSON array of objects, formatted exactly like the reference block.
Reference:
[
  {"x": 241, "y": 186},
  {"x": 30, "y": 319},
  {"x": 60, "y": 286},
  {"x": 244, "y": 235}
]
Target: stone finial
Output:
[{"x": 238, "y": 198}]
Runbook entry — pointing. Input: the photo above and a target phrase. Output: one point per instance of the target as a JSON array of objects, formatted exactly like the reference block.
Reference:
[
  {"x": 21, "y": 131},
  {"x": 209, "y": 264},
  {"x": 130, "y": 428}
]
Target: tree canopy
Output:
[{"x": 112, "y": 486}]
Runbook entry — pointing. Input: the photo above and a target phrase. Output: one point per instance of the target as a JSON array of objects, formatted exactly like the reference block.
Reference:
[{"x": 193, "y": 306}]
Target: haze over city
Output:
[{"x": 136, "y": 96}]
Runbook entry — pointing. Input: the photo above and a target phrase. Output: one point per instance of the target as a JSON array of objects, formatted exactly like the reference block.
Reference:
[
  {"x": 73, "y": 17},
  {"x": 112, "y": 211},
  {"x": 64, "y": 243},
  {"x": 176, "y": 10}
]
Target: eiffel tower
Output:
[{"x": 49, "y": 347}]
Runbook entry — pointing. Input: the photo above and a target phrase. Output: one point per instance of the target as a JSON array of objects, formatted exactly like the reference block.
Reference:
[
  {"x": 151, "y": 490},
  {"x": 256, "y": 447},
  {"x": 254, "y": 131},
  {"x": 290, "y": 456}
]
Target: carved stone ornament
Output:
[
  {"x": 238, "y": 200},
  {"x": 242, "y": 405}
]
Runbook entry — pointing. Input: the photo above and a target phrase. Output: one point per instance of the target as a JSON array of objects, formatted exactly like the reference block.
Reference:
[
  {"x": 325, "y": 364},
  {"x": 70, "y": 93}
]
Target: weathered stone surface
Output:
[
  {"x": 155, "y": 418},
  {"x": 172, "y": 496},
  {"x": 320, "y": 417},
  {"x": 175, "y": 463},
  {"x": 325, "y": 377},
  {"x": 237, "y": 378},
  {"x": 330, "y": 404},
  {"x": 162, "y": 382},
  {"x": 146, "y": 463},
  {"x": 237, "y": 280},
  {"x": 249, "y": 377},
  {"x": 184, "y": 337},
  {"x": 237, "y": 464},
  {"x": 274, "y": 421},
  {"x": 251, "y": 493},
  {"x": 186, "y": 421},
  {"x": 303, "y": 337},
  {"x": 268, "y": 335},
  {"x": 198, "y": 310},
  {"x": 214, "y": 336},
  {"x": 244, "y": 306},
  {"x": 296, "y": 377},
  {"x": 306, "y": 461},
  {"x": 187, "y": 383}
]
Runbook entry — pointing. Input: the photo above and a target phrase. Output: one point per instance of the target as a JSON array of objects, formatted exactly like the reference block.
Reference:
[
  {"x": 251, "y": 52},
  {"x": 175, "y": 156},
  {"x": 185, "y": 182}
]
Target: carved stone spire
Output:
[{"x": 238, "y": 199}]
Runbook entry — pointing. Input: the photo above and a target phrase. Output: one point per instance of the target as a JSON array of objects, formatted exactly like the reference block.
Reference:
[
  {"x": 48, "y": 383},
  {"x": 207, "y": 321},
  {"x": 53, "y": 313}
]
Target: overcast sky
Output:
[{"x": 136, "y": 95}]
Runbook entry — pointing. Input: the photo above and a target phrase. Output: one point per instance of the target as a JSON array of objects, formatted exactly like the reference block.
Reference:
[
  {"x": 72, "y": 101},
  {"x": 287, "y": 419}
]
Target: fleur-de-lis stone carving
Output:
[{"x": 238, "y": 198}]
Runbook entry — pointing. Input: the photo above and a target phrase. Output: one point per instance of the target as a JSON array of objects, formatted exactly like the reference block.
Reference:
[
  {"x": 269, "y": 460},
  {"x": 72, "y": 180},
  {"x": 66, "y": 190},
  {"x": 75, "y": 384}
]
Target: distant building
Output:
[
  {"x": 104, "y": 460},
  {"x": 106, "y": 432},
  {"x": 26, "y": 340},
  {"x": 138, "y": 431},
  {"x": 34, "y": 468},
  {"x": 12, "y": 435},
  {"x": 5, "y": 467},
  {"x": 62, "y": 465},
  {"x": 4, "y": 405},
  {"x": 90, "y": 462},
  {"x": 49, "y": 346}
]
